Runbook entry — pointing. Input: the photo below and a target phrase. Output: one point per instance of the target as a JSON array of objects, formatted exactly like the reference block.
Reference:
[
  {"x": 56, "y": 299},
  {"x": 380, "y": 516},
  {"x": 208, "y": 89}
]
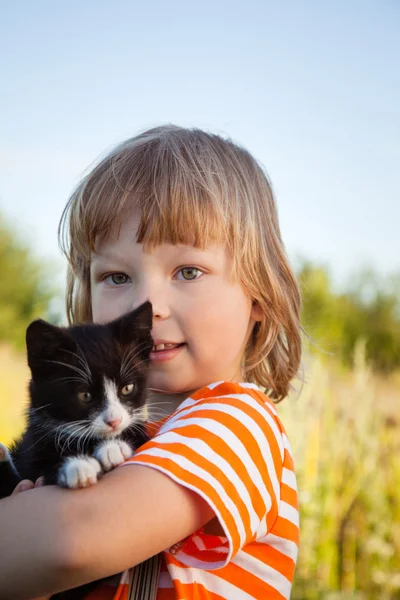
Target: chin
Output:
[{"x": 174, "y": 387}]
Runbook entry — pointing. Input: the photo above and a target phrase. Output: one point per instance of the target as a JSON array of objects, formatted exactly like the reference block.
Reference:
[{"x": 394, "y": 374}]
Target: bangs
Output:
[{"x": 181, "y": 195}]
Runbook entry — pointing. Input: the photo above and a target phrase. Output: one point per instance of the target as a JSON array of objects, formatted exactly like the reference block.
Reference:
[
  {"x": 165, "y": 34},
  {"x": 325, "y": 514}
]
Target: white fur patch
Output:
[
  {"x": 112, "y": 453},
  {"x": 113, "y": 410},
  {"x": 79, "y": 472}
]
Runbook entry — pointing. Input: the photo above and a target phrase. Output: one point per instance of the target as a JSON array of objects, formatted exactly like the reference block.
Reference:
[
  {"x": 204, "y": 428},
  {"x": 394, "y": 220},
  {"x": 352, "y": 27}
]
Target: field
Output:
[{"x": 344, "y": 428}]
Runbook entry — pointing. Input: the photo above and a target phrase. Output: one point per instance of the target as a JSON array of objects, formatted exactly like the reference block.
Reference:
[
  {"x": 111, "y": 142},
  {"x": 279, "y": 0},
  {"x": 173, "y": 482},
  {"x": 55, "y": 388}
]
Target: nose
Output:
[
  {"x": 113, "y": 423},
  {"x": 157, "y": 293}
]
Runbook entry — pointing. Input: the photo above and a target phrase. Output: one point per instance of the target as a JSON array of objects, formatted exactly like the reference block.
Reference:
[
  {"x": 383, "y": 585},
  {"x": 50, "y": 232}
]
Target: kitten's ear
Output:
[
  {"x": 47, "y": 342},
  {"x": 134, "y": 327}
]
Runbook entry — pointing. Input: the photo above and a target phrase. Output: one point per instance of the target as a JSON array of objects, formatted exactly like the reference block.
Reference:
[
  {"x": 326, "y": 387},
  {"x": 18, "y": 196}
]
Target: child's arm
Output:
[{"x": 53, "y": 539}]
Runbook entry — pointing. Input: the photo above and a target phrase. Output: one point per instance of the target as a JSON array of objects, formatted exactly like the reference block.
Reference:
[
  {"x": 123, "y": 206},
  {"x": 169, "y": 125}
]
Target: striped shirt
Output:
[{"x": 227, "y": 443}]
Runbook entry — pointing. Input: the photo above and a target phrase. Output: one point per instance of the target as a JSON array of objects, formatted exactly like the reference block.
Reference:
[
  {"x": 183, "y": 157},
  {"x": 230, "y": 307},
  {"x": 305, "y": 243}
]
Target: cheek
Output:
[
  {"x": 106, "y": 308},
  {"x": 222, "y": 321}
]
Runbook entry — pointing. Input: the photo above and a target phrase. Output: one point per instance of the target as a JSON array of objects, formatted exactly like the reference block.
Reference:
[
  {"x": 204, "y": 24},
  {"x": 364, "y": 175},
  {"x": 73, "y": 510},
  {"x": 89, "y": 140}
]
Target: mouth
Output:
[
  {"x": 165, "y": 346},
  {"x": 165, "y": 351}
]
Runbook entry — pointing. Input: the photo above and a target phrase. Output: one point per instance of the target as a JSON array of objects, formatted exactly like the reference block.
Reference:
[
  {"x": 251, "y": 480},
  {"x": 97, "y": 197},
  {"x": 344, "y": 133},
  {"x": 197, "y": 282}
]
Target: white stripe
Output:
[
  {"x": 165, "y": 581},
  {"x": 262, "y": 528},
  {"x": 288, "y": 512},
  {"x": 253, "y": 428},
  {"x": 211, "y": 386},
  {"x": 233, "y": 442},
  {"x": 198, "y": 542},
  {"x": 265, "y": 412},
  {"x": 205, "y": 451},
  {"x": 271, "y": 408},
  {"x": 252, "y": 386},
  {"x": 192, "y": 468},
  {"x": 264, "y": 572},
  {"x": 284, "y": 546},
  {"x": 196, "y": 563},
  {"x": 248, "y": 400},
  {"x": 210, "y": 581},
  {"x": 289, "y": 478},
  {"x": 124, "y": 577},
  {"x": 286, "y": 444}
]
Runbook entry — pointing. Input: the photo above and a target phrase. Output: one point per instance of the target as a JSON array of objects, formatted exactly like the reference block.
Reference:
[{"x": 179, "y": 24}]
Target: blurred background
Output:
[{"x": 312, "y": 89}]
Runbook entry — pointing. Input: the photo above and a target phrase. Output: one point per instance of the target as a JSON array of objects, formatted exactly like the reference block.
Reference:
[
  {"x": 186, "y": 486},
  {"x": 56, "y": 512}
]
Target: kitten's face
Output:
[{"x": 90, "y": 378}]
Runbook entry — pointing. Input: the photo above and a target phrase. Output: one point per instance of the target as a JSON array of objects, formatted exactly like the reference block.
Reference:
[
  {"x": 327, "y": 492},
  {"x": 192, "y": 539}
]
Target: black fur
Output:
[{"x": 61, "y": 359}]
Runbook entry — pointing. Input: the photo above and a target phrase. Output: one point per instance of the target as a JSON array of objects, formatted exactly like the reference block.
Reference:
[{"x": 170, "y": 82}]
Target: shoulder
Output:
[{"x": 231, "y": 404}]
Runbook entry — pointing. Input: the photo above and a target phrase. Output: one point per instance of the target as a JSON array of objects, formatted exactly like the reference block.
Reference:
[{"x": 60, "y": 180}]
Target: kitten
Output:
[
  {"x": 87, "y": 403},
  {"x": 87, "y": 400}
]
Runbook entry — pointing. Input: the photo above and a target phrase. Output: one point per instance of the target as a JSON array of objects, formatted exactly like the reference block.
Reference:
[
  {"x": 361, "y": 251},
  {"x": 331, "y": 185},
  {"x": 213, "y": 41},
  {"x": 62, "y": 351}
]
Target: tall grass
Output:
[
  {"x": 344, "y": 428},
  {"x": 345, "y": 433}
]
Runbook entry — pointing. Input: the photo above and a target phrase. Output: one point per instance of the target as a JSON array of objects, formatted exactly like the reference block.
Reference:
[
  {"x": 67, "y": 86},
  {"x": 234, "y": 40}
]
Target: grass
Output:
[{"x": 344, "y": 429}]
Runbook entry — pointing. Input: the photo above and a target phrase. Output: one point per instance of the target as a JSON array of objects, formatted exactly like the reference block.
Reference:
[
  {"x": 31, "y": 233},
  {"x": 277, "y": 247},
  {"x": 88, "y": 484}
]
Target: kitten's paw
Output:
[
  {"x": 4, "y": 455},
  {"x": 112, "y": 453},
  {"x": 79, "y": 472}
]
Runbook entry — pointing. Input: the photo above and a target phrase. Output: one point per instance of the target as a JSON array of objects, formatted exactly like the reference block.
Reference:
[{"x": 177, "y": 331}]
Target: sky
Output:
[{"x": 312, "y": 89}]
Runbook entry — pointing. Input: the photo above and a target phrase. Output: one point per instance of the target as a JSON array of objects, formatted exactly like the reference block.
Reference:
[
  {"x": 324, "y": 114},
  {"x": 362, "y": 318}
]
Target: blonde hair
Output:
[{"x": 193, "y": 187}]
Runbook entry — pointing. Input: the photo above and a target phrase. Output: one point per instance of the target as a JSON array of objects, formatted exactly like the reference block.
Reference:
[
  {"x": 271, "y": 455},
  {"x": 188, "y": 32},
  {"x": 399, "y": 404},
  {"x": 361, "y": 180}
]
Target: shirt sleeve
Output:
[{"x": 229, "y": 449}]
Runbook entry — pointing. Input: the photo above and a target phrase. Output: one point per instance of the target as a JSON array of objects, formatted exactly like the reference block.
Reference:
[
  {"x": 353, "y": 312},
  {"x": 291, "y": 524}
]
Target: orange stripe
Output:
[
  {"x": 285, "y": 529},
  {"x": 226, "y": 452},
  {"x": 248, "y": 582},
  {"x": 237, "y": 425},
  {"x": 195, "y": 591},
  {"x": 182, "y": 450},
  {"x": 246, "y": 437},
  {"x": 199, "y": 484},
  {"x": 273, "y": 558},
  {"x": 288, "y": 461},
  {"x": 289, "y": 495}
]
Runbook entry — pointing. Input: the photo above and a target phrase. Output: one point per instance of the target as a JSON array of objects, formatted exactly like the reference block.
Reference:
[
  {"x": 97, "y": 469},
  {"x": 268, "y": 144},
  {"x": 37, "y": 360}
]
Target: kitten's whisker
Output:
[
  {"x": 82, "y": 359},
  {"x": 77, "y": 431},
  {"x": 156, "y": 414},
  {"x": 48, "y": 434},
  {"x": 130, "y": 356},
  {"x": 73, "y": 367},
  {"x": 76, "y": 379},
  {"x": 34, "y": 410}
]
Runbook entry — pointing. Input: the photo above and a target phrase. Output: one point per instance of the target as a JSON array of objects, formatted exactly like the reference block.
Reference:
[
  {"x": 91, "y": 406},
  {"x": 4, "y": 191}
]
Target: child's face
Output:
[{"x": 194, "y": 303}]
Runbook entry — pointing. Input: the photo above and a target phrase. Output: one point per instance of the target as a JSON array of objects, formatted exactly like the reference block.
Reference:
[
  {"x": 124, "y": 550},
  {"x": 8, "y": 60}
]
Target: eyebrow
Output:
[{"x": 109, "y": 256}]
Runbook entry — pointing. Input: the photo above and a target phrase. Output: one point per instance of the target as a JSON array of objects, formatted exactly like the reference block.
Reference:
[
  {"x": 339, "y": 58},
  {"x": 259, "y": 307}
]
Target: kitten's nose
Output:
[{"x": 114, "y": 422}]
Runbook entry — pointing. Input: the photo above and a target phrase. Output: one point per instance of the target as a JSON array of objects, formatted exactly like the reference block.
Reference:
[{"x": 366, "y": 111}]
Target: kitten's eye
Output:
[
  {"x": 128, "y": 389},
  {"x": 85, "y": 396}
]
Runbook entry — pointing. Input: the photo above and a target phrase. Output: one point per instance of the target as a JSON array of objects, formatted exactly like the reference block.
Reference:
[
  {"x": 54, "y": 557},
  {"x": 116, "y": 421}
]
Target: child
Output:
[{"x": 187, "y": 220}]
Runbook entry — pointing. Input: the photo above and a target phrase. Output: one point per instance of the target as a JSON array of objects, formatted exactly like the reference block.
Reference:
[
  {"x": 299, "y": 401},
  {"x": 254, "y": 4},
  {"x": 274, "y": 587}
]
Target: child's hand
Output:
[{"x": 24, "y": 485}]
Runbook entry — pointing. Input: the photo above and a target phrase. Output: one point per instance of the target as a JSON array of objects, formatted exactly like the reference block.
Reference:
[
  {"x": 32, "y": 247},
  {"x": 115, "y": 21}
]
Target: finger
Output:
[
  {"x": 23, "y": 485},
  {"x": 39, "y": 482}
]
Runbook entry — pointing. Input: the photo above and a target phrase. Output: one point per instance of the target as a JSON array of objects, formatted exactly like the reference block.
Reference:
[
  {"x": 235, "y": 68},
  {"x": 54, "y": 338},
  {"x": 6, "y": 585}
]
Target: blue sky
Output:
[{"x": 312, "y": 89}]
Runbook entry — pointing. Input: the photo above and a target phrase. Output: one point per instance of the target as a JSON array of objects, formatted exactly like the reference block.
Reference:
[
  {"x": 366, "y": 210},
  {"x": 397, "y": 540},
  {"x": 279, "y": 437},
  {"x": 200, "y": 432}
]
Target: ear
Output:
[
  {"x": 256, "y": 312},
  {"x": 46, "y": 342},
  {"x": 135, "y": 327}
]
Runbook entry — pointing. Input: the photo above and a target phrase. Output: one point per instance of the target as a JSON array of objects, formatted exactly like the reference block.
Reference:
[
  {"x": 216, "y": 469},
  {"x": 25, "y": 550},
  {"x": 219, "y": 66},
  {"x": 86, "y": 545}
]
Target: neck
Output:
[{"x": 161, "y": 403}]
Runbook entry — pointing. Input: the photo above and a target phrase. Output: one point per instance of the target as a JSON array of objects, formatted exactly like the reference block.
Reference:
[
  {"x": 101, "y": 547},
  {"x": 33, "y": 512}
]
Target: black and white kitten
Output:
[
  {"x": 87, "y": 401},
  {"x": 87, "y": 404}
]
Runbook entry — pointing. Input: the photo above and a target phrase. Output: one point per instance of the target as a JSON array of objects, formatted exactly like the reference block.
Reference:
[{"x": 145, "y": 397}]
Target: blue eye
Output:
[{"x": 189, "y": 273}]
